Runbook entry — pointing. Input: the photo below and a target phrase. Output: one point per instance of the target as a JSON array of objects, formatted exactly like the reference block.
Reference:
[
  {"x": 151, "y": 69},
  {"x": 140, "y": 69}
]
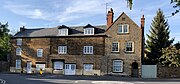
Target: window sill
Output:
[
  {"x": 123, "y": 33},
  {"x": 115, "y": 52},
  {"x": 129, "y": 52}
]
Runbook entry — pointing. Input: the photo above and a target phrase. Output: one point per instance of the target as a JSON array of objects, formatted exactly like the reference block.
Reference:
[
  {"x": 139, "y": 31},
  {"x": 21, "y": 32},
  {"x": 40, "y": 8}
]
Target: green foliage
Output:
[
  {"x": 177, "y": 45},
  {"x": 4, "y": 41},
  {"x": 170, "y": 57},
  {"x": 129, "y": 3},
  {"x": 176, "y": 6},
  {"x": 158, "y": 38}
]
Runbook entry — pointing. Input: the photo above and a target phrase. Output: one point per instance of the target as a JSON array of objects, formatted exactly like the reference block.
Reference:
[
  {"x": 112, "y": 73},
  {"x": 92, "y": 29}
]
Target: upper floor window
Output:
[
  {"x": 18, "y": 51},
  {"x": 63, "y": 32},
  {"x": 115, "y": 47},
  {"x": 89, "y": 31},
  {"x": 88, "y": 50},
  {"x": 123, "y": 28},
  {"x": 62, "y": 49},
  {"x": 130, "y": 46},
  {"x": 39, "y": 52},
  {"x": 117, "y": 66},
  {"x": 19, "y": 41}
]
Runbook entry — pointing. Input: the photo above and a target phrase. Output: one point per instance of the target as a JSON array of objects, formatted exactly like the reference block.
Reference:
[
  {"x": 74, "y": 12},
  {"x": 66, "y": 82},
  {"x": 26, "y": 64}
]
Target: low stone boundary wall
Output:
[{"x": 168, "y": 72}]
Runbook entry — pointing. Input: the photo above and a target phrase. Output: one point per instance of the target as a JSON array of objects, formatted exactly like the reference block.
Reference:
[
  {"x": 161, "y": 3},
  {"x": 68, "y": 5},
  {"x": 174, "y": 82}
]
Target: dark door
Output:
[{"x": 135, "y": 69}]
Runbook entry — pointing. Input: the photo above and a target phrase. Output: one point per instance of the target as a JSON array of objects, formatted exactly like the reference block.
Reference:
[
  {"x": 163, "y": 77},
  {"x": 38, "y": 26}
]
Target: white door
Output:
[
  {"x": 70, "y": 69},
  {"x": 29, "y": 67}
]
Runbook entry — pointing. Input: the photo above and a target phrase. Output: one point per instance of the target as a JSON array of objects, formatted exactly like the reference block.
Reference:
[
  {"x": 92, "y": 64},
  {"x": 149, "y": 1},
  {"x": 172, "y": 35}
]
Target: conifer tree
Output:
[{"x": 158, "y": 38}]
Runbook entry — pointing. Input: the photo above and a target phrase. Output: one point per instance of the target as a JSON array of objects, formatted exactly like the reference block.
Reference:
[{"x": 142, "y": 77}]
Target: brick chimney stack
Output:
[
  {"x": 110, "y": 16},
  {"x": 142, "y": 21},
  {"x": 143, "y": 39},
  {"x": 22, "y": 28}
]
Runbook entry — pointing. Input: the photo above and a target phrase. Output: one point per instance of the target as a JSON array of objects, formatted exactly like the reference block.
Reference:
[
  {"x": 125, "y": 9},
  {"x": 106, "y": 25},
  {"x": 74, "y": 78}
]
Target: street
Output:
[{"x": 61, "y": 79}]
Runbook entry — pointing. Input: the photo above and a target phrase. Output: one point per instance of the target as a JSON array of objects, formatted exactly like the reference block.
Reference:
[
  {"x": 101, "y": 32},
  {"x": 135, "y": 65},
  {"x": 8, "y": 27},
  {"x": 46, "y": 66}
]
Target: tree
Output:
[
  {"x": 4, "y": 41},
  {"x": 176, "y": 6},
  {"x": 170, "y": 57},
  {"x": 158, "y": 38},
  {"x": 177, "y": 45}
]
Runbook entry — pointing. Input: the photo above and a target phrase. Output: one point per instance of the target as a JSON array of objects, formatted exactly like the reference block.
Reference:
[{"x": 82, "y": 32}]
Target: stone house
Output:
[{"x": 115, "y": 48}]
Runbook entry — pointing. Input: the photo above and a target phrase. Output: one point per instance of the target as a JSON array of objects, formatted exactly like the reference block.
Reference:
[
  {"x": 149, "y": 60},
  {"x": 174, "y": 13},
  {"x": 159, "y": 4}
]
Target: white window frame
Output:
[
  {"x": 132, "y": 45},
  {"x": 113, "y": 46},
  {"x": 122, "y": 26},
  {"x": 117, "y": 67},
  {"x": 62, "y": 49},
  {"x": 88, "y": 31},
  {"x": 39, "y": 52},
  {"x": 58, "y": 65},
  {"x": 18, "y": 51},
  {"x": 18, "y": 64},
  {"x": 40, "y": 66},
  {"x": 88, "y": 50},
  {"x": 19, "y": 41},
  {"x": 63, "y": 32},
  {"x": 88, "y": 67}
]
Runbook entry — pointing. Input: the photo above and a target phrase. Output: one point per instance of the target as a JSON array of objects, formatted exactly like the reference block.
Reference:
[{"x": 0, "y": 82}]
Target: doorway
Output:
[{"x": 135, "y": 71}]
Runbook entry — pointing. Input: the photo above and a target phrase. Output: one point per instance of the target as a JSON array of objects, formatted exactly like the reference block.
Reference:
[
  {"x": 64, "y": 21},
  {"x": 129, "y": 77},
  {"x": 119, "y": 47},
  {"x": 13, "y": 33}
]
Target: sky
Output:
[{"x": 52, "y": 13}]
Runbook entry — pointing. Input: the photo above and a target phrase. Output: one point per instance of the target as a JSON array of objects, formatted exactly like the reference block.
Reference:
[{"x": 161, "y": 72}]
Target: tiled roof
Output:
[{"x": 45, "y": 32}]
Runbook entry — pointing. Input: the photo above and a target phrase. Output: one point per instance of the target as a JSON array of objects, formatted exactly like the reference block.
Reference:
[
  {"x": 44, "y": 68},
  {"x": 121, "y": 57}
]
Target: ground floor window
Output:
[
  {"x": 40, "y": 66},
  {"x": 58, "y": 65},
  {"x": 18, "y": 64},
  {"x": 88, "y": 67},
  {"x": 117, "y": 66}
]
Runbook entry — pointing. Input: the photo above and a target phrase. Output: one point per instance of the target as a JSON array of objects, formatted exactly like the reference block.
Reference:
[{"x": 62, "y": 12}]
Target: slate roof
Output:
[{"x": 53, "y": 32}]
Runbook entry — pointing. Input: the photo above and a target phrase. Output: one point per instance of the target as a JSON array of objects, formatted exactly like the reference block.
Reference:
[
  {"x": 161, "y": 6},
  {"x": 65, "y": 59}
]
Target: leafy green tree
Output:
[
  {"x": 158, "y": 38},
  {"x": 4, "y": 41},
  {"x": 170, "y": 57},
  {"x": 176, "y": 6},
  {"x": 177, "y": 45}
]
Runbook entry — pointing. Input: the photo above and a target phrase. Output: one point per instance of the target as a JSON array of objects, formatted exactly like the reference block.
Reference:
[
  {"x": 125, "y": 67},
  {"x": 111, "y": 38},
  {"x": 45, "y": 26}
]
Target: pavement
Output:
[{"x": 61, "y": 79}]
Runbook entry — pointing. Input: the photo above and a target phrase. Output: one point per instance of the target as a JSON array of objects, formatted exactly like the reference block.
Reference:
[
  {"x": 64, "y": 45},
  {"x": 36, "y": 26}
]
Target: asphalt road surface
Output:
[{"x": 60, "y": 79}]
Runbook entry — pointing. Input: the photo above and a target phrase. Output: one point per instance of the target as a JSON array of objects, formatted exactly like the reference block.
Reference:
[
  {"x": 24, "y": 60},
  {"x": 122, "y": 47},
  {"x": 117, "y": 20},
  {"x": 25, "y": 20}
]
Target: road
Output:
[{"x": 60, "y": 79}]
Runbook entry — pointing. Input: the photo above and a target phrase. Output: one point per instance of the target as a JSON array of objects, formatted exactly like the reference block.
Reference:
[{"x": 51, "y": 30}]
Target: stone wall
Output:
[
  {"x": 134, "y": 35},
  {"x": 168, "y": 72},
  {"x": 29, "y": 50}
]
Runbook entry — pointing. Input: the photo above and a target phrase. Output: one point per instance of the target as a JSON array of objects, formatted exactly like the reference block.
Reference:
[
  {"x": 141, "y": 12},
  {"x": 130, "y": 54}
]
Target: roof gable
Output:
[{"x": 121, "y": 15}]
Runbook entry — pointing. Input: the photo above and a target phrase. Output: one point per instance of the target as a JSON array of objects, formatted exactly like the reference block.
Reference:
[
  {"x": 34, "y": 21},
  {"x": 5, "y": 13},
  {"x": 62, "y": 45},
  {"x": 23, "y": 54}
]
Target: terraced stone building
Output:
[{"x": 115, "y": 48}]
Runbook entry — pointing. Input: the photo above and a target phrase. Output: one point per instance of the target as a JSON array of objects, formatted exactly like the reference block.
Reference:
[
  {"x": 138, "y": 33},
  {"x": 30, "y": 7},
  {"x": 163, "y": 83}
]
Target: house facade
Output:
[{"x": 114, "y": 49}]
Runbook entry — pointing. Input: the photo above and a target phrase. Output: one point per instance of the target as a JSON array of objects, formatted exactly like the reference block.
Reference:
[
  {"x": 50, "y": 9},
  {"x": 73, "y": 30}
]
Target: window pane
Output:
[
  {"x": 18, "y": 64},
  {"x": 88, "y": 50},
  {"x": 88, "y": 67},
  {"x": 19, "y": 41},
  {"x": 88, "y": 31},
  {"x": 120, "y": 29},
  {"x": 125, "y": 29},
  {"x": 18, "y": 51},
  {"x": 117, "y": 65},
  {"x": 115, "y": 47},
  {"x": 62, "y": 49},
  {"x": 129, "y": 46},
  {"x": 40, "y": 66}
]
